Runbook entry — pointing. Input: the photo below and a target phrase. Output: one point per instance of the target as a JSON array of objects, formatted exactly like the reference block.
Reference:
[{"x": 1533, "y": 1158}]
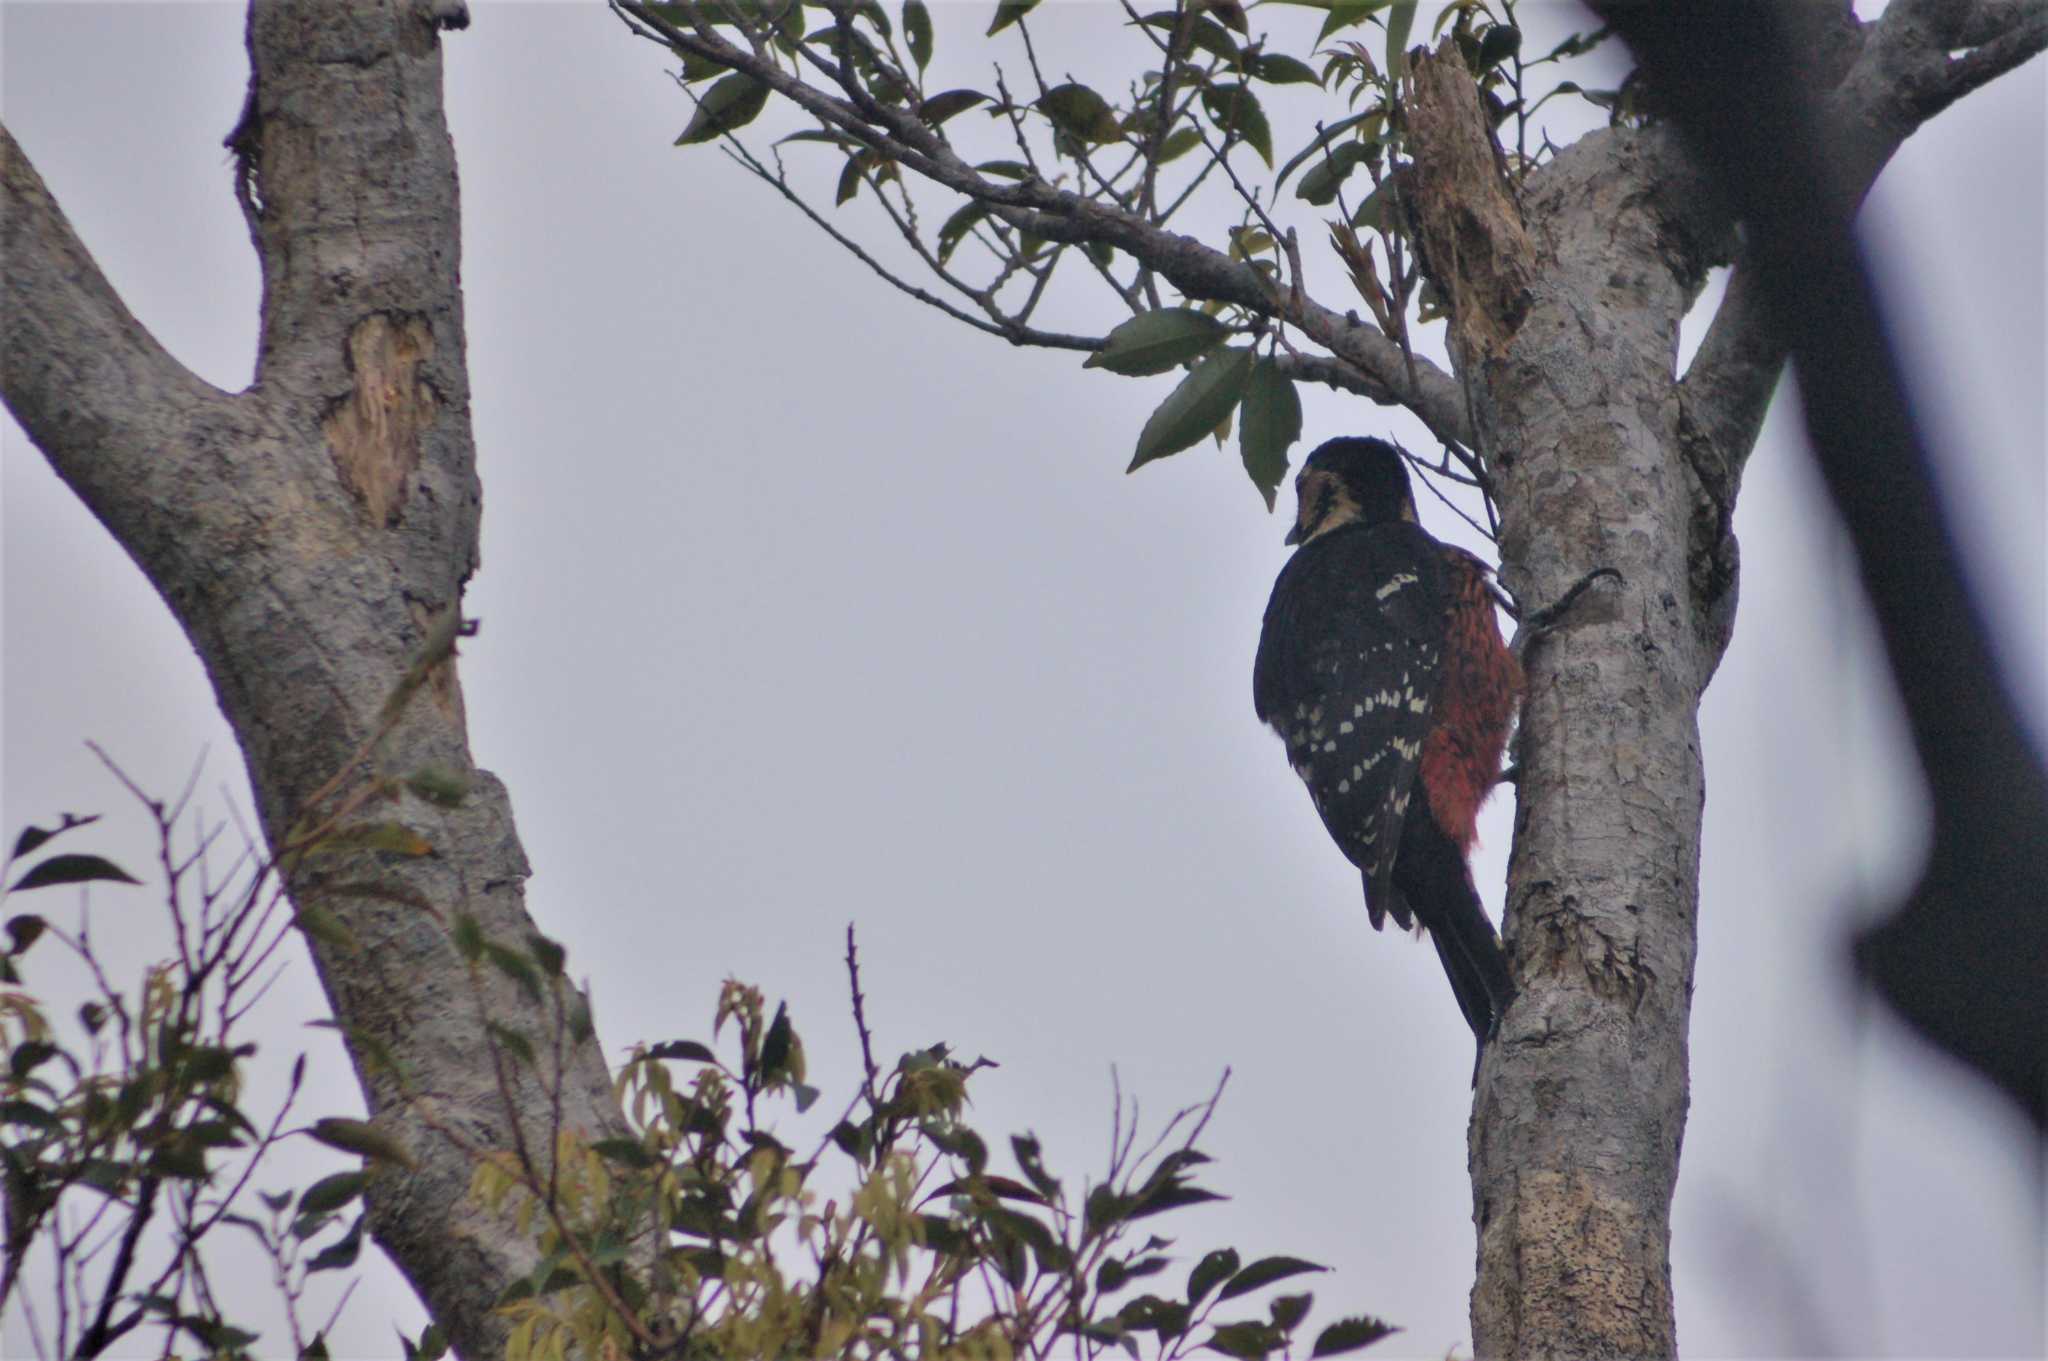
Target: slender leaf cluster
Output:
[
  {"x": 129, "y": 1146},
  {"x": 899, "y": 1234}
]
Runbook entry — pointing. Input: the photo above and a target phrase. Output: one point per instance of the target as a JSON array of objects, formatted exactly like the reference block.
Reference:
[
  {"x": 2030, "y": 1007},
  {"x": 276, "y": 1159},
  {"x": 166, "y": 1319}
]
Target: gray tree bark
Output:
[
  {"x": 309, "y": 533},
  {"x": 1566, "y": 309}
]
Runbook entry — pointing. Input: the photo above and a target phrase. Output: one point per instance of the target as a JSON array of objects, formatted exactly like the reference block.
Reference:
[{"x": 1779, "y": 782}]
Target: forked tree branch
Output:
[
  {"x": 1959, "y": 957},
  {"x": 1380, "y": 369},
  {"x": 1902, "y": 76}
]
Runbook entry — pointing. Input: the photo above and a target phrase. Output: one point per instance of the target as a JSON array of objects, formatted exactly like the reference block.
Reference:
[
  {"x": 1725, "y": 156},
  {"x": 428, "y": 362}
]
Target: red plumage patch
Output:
[{"x": 1482, "y": 683}]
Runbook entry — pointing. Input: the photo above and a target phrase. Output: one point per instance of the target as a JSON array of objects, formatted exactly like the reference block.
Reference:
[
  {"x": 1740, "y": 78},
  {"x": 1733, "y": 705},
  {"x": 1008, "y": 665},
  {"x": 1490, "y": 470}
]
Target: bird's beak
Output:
[{"x": 1293, "y": 535}]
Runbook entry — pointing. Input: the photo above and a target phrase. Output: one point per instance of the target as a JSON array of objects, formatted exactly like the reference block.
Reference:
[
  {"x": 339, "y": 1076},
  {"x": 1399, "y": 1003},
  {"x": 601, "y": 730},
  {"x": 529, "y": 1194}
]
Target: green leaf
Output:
[
  {"x": 837, "y": 139},
  {"x": 1351, "y": 1334},
  {"x": 23, "y": 931},
  {"x": 1237, "y": 110},
  {"x": 394, "y": 838},
  {"x": 439, "y": 785},
  {"x": 516, "y": 967},
  {"x": 362, "y": 1138},
  {"x": 696, "y": 68},
  {"x": 1268, "y": 427},
  {"x": 955, "y": 228},
  {"x": 625, "y": 1152},
  {"x": 469, "y": 937},
  {"x": 1372, "y": 212},
  {"x": 1079, "y": 111},
  {"x": 1322, "y": 139},
  {"x": 512, "y": 1042},
  {"x": 1164, "y": 1318},
  {"x": 1104, "y": 1206},
  {"x": 323, "y": 926},
  {"x": 340, "y": 1254},
  {"x": 940, "y": 107},
  {"x": 33, "y": 837},
  {"x": 1277, "y": 68},
  {"x": 1289, "y": 1310},
  {"x": 1400, "y": 18},
  {"x": 1178, "y": 143},
  {"x": 850, "y": 179},
  {"x": 1153, "y": 342},
  {"x": 1264, "y": 1272},
  {"x": 1203, "y": 32},
  {"x": 1175, "y": 1195},
  {"x": 1327, "y": 176},
  {"x": 1345, "y": 13},
  {"x": 28, "y": 1055},
  {"x": 1009, "y": 12},
  {"x": 1189, "y": 412},
  {"x": 688, "y": 1051},
  {"x": 1025, "y": 1147},
  {"x": 776, "y": 1044},
  {"x": 73, "y": 869},
  {"x": 1249, "y": 1339},
  {"x": 1211, "y": 1271},
  {"x": 1009, "y": 170},
  {"x": 547, "y": 953},
  {"x": 730, "y": 104},
  {"x": 1501, "y": 42},
  {"x": 917, "y": 28},
  {"x": 330, "y": 1193}
]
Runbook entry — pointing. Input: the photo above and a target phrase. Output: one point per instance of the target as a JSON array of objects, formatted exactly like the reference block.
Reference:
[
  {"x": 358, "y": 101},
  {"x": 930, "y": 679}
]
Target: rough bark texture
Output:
[
  {"x": 1565, "y": 313},
  {"x": 307, "y": 533},
  {"x": 1574, "y": 1139}
]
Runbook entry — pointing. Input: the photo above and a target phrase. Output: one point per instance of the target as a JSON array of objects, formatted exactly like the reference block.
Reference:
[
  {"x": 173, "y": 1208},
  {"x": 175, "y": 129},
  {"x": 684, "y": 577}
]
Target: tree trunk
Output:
[
  {"x": 1575, "y": 1137},
  {"x": 1566, "y": 313},
  {"x": 1566, "y": 304},
  {"x": 309, "y": 533}
]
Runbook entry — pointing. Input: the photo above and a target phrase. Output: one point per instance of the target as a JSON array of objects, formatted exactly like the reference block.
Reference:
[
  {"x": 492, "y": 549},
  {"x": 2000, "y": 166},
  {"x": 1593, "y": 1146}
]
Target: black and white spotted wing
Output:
[{"x": 1347, "y": 674}]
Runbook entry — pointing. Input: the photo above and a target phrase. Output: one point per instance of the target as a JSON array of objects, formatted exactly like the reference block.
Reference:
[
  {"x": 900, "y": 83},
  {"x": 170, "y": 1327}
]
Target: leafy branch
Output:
[{"x": 1098, "y": 177}]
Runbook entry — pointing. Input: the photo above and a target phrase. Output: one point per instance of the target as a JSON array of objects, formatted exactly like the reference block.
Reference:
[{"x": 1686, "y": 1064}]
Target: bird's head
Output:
[{"x": 1350, "y": 481}]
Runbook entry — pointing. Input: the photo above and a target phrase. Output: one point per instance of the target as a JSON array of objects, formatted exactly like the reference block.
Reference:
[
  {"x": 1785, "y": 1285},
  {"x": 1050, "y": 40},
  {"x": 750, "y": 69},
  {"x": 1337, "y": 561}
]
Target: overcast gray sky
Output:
[{"x": 803, "y": 605}]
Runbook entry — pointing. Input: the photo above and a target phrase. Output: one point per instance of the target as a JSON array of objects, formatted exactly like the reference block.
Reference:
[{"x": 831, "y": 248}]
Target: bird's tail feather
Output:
[
  {"x": 1436, "y": 885},
  {"x": 1468, "y": 983}
]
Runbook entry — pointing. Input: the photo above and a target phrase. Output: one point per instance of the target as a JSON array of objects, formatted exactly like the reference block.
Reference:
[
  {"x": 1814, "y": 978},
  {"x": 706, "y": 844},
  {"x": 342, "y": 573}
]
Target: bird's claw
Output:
[{"x": 1537, "y": 623}]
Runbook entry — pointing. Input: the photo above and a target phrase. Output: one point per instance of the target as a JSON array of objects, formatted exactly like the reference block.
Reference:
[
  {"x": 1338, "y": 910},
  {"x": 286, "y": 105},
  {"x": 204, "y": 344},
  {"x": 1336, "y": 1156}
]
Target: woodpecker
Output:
[{"x": 1382, "y": 668}]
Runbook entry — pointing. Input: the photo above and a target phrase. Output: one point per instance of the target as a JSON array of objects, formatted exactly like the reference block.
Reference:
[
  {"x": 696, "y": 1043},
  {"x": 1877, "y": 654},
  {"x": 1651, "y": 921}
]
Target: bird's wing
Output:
[{"x": 1347, "y": 673}]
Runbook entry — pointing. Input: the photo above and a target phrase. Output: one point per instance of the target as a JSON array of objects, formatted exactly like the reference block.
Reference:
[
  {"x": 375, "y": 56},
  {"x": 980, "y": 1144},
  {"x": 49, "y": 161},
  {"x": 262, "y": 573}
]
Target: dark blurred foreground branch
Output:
[{"x": 1960, "y": 958}]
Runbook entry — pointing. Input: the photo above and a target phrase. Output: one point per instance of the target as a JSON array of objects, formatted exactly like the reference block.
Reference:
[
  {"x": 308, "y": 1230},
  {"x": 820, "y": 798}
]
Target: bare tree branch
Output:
[{"x": 90, "y": 385}]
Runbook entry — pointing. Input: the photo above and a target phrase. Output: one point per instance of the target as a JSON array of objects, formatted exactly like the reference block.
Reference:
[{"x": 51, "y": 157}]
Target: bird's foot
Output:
[{"x": 1537, "y": 624}]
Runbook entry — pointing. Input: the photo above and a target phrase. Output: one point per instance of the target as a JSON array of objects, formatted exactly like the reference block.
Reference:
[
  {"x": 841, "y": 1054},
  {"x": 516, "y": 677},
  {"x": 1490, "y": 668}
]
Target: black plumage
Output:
[{"x": 1361, "y": 636}]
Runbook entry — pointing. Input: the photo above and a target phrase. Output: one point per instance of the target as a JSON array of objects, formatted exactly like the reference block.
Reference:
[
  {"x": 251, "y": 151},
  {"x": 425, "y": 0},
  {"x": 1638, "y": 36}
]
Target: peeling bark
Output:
[
  {"x": 1464, "y": 213},
  {"x": 375, "y": 434}
]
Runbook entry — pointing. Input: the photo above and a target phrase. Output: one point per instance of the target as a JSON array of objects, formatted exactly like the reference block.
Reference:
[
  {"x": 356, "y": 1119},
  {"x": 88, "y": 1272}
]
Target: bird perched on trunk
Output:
[{"x": 1382, "y": 668}]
